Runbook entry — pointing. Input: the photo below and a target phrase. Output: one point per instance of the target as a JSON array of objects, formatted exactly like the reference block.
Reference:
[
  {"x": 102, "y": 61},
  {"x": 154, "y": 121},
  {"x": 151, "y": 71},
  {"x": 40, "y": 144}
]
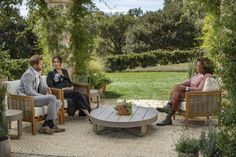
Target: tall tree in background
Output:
[
  {"x": 14, "y": 37},
  {"x": 135, "y": 12},
  {"x": 169, "y": 28},
  {"x": 112, "y": 30}
]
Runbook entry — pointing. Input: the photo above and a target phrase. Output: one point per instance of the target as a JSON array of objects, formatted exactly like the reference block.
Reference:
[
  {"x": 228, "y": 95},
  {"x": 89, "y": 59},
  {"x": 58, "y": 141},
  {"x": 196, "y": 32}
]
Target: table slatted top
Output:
[
  {"x": 11, "y": 112},
  {"x": 107, "y": 116}
]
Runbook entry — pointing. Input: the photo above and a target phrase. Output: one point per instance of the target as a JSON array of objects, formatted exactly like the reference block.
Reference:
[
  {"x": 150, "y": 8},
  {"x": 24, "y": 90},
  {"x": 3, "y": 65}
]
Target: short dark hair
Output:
[
  {"x": 35, "y": 59},
  {"x": 57, "y": 57},
  {"x": 207, "y": 65}
]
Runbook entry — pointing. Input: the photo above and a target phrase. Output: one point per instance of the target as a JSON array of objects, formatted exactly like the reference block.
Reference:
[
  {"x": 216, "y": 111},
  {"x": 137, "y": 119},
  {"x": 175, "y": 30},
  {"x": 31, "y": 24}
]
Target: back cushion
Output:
[
  {"x": 12, "y": 86},
  {"x": 211, "y": 84}
]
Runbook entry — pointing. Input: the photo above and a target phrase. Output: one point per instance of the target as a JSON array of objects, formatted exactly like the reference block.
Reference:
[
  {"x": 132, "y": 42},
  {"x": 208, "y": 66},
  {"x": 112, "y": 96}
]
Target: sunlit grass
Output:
[{"x": 143, "y": 85}]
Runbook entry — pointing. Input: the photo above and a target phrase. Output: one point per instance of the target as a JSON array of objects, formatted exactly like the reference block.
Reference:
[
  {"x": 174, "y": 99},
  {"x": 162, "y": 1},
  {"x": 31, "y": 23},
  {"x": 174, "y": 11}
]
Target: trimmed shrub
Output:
[
  {"x": 12, "y": 68},
  {"x": 18, "y": 67},
  {"x": 153, "y": 58}
]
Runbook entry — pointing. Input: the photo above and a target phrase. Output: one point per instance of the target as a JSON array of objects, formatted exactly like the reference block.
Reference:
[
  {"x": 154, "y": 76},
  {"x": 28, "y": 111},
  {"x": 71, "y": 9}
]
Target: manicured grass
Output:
[
  {"x": 182, "y": 67},
  {"x": 143, "y": 85}
]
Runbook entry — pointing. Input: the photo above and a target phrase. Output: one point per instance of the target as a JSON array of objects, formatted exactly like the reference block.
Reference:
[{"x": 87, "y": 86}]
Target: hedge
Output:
[
  {"x": 153, "y": 58},
  {"x": 18, "y": 67}
]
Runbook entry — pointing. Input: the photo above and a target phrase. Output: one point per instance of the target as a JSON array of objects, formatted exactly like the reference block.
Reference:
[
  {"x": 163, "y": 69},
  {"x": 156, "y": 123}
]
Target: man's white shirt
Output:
[{"x": 37, "y": 76}]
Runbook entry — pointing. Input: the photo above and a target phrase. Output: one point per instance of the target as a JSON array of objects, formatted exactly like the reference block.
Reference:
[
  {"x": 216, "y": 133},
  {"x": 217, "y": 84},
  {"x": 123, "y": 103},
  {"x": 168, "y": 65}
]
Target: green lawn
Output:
[{"x": 143, "y": 85}]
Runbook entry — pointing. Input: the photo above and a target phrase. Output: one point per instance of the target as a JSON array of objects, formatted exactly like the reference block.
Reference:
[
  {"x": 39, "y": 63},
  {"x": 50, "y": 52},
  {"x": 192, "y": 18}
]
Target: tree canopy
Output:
[
  {"x": 135, "y": 32},
  {"x": 15, "y": 38}
]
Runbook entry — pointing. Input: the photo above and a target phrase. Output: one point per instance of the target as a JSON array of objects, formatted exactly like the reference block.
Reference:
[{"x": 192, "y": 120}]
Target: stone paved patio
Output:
[{"x": 80, "y": 140}]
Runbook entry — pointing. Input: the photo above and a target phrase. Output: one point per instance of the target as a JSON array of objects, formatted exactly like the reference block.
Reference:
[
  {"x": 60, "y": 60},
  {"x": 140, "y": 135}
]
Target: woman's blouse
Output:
[
  {"x": 196, "y": 83},
  {"x": 55, "y": 80}
]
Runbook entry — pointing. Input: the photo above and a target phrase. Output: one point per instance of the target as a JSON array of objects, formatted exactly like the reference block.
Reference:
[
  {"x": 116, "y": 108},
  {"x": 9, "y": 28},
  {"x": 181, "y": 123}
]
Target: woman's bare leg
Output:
[{"x": 86, "y": 112}]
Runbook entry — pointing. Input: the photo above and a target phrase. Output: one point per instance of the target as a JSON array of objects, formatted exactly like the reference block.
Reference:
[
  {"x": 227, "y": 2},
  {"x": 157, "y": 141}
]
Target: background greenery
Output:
[
  {"x": 183, "y": 25},
  {"x": 219, "y": 39},
  {"x": 136, "y": 32},
  {"x": 3, "y": 121},
  {"x": 153, "y": 58}
]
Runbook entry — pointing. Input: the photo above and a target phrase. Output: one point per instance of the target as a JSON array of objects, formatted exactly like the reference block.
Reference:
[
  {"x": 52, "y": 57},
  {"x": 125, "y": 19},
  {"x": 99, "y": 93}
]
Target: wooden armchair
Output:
[
  {"x": 200, "y": 104},
  {"x": 31, "y": 113},
  {"x": 82, "y": 87}
]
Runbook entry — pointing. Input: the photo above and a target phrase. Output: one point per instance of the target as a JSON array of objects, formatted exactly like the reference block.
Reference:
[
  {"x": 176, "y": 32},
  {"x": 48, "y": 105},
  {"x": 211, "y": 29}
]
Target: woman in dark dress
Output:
[{"x": 59, "y": 78}]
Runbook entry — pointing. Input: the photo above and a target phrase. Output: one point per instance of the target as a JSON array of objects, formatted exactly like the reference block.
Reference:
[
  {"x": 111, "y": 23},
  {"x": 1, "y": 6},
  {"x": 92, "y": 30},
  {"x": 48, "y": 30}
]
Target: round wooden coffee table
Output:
[{"x": 106, "y": 116}]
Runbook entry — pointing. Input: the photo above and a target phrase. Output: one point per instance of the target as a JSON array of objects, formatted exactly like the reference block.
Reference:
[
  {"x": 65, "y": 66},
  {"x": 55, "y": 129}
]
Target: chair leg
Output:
[
  {"x": 9, "y": 124},
  {"x": 186, "y": 122},
  {"x": 98, "y": 101},
  {"x": 33, "y": 125},
  {"x": 59, "y": 118},
  {"x": 207, "y": 117},
  {"x": 63, "y": 117},
  {"x": 174, "y": 117}
]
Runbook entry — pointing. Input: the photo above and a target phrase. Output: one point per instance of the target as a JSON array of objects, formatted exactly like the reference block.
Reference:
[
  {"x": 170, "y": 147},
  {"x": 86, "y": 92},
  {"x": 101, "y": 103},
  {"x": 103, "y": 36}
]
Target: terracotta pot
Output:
[
  {"x": 5, "y": 147},
  {"x": 180, "y": 154}
]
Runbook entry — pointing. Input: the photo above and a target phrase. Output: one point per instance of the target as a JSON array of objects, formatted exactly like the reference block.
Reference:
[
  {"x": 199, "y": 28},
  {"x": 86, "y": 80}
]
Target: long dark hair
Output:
[
  {"x": 207, "y": 65},
  {"x": 57, "y": 57}
]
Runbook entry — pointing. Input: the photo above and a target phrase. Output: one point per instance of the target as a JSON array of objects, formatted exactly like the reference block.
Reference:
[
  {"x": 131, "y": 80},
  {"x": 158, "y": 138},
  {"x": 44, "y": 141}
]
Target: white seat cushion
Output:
[
  {"x": 45, "y": 109},
  {"x": 12, "y": 86},
  {"x": 38, "y": 111},
  {"x": 211, "y": 84},
  {"x": 183, "y": 106},
  {"x": 65, "y": 103}
]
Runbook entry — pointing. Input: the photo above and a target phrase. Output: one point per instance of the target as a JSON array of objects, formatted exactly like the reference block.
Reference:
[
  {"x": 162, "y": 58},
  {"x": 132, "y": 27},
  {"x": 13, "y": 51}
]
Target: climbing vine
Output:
[
  {"x": 219, "y": 40},
  {"x": 61, "y": 31}
]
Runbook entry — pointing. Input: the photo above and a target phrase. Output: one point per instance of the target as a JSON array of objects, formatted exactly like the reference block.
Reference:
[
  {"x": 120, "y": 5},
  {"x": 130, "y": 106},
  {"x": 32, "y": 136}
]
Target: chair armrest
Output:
[
  {"x": 24, "y": 103},
  {"x": 82, "y": 87},
  {"x": 201, "y": 93},
  {"x": 57, "y": 92},
  {"x": 202, "y": 102}
]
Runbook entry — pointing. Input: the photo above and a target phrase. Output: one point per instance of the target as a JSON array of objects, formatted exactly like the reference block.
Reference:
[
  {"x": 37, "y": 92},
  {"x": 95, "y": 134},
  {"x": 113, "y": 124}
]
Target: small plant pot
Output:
[
  {"x": 180, "y": 154},
  {"x": 5, "y": 147},
  {"x": 120, "y": 112}
]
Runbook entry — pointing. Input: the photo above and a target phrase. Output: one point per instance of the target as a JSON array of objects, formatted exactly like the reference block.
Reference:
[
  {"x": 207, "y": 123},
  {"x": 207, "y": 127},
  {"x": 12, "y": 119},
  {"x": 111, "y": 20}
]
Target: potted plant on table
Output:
[
  {"x": 124, "y": 108},
  {"x": 5, "y": 148},
  {"x": 187, "y": 147}
]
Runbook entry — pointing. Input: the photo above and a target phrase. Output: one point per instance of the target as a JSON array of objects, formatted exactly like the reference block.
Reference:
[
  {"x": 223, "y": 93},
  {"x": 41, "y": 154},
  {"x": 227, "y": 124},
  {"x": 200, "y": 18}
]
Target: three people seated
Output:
[{"x": 32, "y": 85}]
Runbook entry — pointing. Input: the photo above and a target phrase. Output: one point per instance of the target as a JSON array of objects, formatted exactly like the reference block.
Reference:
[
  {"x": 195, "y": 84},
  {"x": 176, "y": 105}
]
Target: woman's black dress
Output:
[{"x": 75, "y": 99}]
